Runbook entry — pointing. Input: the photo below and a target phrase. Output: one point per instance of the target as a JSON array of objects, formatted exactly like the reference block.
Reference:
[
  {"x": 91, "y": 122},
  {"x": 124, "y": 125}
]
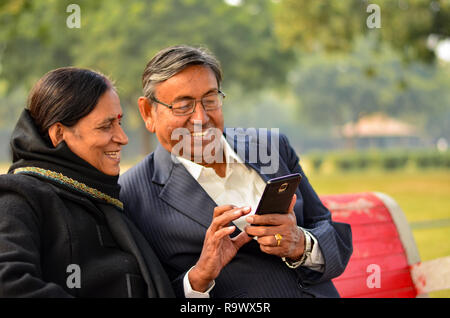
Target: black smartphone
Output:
[{"x": 278, "y": 193}]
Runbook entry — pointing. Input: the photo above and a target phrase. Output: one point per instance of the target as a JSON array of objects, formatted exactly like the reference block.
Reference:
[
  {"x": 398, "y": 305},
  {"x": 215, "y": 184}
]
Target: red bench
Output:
[{"x": 385, "y": 260}]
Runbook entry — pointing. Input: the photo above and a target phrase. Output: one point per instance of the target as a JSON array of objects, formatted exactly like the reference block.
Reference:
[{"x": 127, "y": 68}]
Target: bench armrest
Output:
[{"x": 431, "y": 275}]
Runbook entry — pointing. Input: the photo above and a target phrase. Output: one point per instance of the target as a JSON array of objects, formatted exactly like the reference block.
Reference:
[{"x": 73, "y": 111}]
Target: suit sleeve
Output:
[
  {"x": 335, "y": 239},
  {"x": 20, "y": 271}
]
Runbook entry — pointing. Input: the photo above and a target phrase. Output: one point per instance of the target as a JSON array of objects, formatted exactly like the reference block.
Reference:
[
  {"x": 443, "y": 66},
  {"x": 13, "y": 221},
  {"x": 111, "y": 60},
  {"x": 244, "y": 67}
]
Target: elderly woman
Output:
[{"x": 62, "y": 230}]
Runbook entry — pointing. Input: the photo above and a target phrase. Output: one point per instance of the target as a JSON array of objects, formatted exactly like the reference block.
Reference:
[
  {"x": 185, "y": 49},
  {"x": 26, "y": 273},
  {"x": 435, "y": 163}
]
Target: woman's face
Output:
[{"x": 98, "y": 137}]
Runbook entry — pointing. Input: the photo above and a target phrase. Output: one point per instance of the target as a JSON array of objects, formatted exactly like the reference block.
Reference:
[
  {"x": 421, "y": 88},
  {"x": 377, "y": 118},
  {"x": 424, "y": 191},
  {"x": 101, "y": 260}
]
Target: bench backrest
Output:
[{"x": 383, "y": 246}]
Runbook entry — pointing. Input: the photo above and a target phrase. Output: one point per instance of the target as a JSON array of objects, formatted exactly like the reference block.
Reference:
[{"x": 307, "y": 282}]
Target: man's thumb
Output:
[{"x": 291, "y": 206}]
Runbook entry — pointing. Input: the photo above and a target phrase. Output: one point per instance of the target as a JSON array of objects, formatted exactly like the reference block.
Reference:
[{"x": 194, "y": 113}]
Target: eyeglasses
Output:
[{"x": 186, "y": 106}]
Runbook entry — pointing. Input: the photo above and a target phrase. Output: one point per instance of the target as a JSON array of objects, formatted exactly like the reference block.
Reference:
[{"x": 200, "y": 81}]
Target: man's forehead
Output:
[
  {"x": 193, "y": 81},
  {"x": 193, "y": 72}
]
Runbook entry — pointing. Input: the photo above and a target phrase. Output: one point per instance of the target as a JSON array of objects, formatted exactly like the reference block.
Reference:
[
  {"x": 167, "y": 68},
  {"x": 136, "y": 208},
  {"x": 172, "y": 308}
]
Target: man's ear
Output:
[
  {"x": 148, "y": 113},
  {"x": 56, "y": 133}
]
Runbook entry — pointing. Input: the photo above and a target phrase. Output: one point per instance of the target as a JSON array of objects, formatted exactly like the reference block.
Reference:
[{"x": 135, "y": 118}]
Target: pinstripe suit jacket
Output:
[{"x": 173, "y": 212}]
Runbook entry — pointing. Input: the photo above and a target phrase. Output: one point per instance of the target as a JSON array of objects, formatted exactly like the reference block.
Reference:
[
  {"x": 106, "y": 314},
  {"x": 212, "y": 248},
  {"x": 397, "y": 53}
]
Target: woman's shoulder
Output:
[
  {"x": 25, "y": 186},
  {"x": 14, "y": 182}
]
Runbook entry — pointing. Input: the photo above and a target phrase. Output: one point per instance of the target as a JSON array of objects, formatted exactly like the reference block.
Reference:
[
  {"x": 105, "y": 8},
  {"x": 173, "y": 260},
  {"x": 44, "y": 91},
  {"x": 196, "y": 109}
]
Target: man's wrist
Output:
[
  {"x": 197, "y": 281},
  {"x": 306, "y": 252},
  {"x": 190, "y": 292}
]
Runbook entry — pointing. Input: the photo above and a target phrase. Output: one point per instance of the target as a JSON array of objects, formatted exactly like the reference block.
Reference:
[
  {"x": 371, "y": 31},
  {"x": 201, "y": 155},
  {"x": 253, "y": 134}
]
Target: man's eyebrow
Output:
[
  {"x": 183, "y": 97},
  {"x": 212, "y": 90}
]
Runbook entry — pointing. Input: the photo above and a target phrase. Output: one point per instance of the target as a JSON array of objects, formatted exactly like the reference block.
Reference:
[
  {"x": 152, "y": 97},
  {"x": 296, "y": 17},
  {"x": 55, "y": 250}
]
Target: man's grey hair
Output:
[{"x": 172, "y": 60}]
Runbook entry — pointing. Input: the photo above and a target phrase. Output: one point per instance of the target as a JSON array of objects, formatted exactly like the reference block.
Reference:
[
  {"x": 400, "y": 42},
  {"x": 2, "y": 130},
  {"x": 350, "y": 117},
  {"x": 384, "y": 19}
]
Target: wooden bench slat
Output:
[
  {"x": 373, "y": 231},
  {"x": 376, "y": 214},
  {"x": 389, "y": 281},
  {"x": 382, "y": 246},
  {"x": 359, "y": 267},
  {"x": 408, "y": 292}
]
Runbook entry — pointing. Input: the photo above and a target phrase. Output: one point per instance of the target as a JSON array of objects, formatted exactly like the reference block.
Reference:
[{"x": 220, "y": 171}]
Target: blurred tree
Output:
[
  {"x": 348, "y": 69},
  {"x": 119, "y": 37},
  {"x": 30, "y": 46},
  {"x": 333, "y": 25},
  {"x": 34, "y": 39},
  {"x": 338, "y": 88}
]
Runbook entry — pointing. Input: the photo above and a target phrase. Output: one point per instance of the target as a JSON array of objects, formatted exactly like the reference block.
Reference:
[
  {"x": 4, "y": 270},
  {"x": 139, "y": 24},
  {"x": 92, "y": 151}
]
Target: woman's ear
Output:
[
  {"x": 148, "y": 113},
  {"x": 56, "y": 133}
]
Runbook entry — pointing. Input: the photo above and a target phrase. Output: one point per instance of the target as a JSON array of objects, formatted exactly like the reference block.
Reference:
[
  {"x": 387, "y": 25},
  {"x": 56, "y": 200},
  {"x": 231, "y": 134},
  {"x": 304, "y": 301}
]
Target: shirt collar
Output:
[{"x": 196, "y": 170}]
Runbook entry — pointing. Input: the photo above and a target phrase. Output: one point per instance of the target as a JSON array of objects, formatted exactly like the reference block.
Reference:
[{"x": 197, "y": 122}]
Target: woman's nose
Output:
[{"x": 119, "y": 136}]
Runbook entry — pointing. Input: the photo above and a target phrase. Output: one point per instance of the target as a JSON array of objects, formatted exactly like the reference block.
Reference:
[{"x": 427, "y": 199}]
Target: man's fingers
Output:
[
  {"x": 219, "y": 234},
  {"x": 272, "y": 218},
  {"x": 218, "y": 210},
  {"x": 268, "y": 240},
  {"x": 261, "y": 231},
  {"x": 277, "y": 251},
  {"x": 267, "y": 219},
  {"x": 291, "y": 206},
  {"x": 228, "y": 216},
  {"x": 241, "y": 239}
]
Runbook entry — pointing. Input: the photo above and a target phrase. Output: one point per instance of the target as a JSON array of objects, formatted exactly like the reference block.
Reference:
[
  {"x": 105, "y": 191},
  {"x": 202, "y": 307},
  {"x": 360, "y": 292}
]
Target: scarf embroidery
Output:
[{"x": 79, "y": 186}]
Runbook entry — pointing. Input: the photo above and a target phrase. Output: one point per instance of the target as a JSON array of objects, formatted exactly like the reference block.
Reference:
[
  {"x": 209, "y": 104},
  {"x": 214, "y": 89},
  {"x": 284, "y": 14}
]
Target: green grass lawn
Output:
[
  {"x": 422, "y": 196},
  {"x": 4, "y": 167}
]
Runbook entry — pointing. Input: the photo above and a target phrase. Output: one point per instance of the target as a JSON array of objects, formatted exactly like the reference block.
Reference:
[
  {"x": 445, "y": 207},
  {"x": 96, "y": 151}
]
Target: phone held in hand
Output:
[{"x": 278, "y": 193}]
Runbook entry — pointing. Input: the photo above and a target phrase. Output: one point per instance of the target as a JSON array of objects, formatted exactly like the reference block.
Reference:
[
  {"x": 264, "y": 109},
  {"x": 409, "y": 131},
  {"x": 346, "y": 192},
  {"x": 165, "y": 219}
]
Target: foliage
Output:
[
  {"x": 363, "y": 74},
  {"x": 337, "y": 88},
  {"x": 388, "y": 160},
  {"x": 333, "y": 25},
  {"x": 119, "y": 37}
]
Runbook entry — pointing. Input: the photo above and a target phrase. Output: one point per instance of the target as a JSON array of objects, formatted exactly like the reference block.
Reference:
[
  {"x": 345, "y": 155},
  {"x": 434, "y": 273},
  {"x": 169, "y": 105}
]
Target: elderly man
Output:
[{"x": 195, "y": 196}]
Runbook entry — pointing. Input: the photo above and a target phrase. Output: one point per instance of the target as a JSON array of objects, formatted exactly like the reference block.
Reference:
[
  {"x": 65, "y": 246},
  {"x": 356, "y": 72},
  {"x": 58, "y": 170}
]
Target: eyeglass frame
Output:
[{"x": 219, "y": 92}]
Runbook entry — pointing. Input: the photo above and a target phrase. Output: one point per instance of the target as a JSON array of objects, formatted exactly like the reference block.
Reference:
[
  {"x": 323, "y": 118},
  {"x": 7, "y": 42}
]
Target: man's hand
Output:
[
  {"x": 292, "y": 245},
  {"x": 218, "y": 248}
]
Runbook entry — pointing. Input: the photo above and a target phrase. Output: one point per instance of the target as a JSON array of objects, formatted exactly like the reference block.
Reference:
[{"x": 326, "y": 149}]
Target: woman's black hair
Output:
[{"x": 65, "y": 95}]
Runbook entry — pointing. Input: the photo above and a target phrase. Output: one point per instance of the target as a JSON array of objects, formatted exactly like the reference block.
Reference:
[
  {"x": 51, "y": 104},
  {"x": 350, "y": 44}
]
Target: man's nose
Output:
[{"x": 199, "y": 115}]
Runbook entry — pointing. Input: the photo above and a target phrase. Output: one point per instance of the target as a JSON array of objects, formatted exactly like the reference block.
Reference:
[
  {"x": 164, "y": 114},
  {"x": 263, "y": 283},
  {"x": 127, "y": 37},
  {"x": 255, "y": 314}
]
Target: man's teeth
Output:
[{"x": 199, "y": 134}]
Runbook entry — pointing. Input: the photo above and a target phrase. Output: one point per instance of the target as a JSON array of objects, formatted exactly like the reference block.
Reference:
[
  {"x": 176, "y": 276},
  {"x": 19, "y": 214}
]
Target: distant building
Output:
[{"x": 380, "y": 131}]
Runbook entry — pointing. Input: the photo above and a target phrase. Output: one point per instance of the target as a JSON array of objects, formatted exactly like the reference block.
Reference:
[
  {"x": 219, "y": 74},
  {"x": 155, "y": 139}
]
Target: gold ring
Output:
[{"x": 278, "y": 237}]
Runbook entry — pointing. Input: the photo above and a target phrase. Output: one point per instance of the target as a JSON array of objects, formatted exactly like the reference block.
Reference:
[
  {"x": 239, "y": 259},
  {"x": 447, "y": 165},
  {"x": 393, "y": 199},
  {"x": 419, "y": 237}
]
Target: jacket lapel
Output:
[
  {"x": 181, "y": 190},
  {"x": 184, "y": 193},
  {"x": 245, "y": 143}
]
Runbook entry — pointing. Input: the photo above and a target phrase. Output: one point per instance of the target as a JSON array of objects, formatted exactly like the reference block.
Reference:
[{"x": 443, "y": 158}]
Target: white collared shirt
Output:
[{"x": 242, "y": 186}]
